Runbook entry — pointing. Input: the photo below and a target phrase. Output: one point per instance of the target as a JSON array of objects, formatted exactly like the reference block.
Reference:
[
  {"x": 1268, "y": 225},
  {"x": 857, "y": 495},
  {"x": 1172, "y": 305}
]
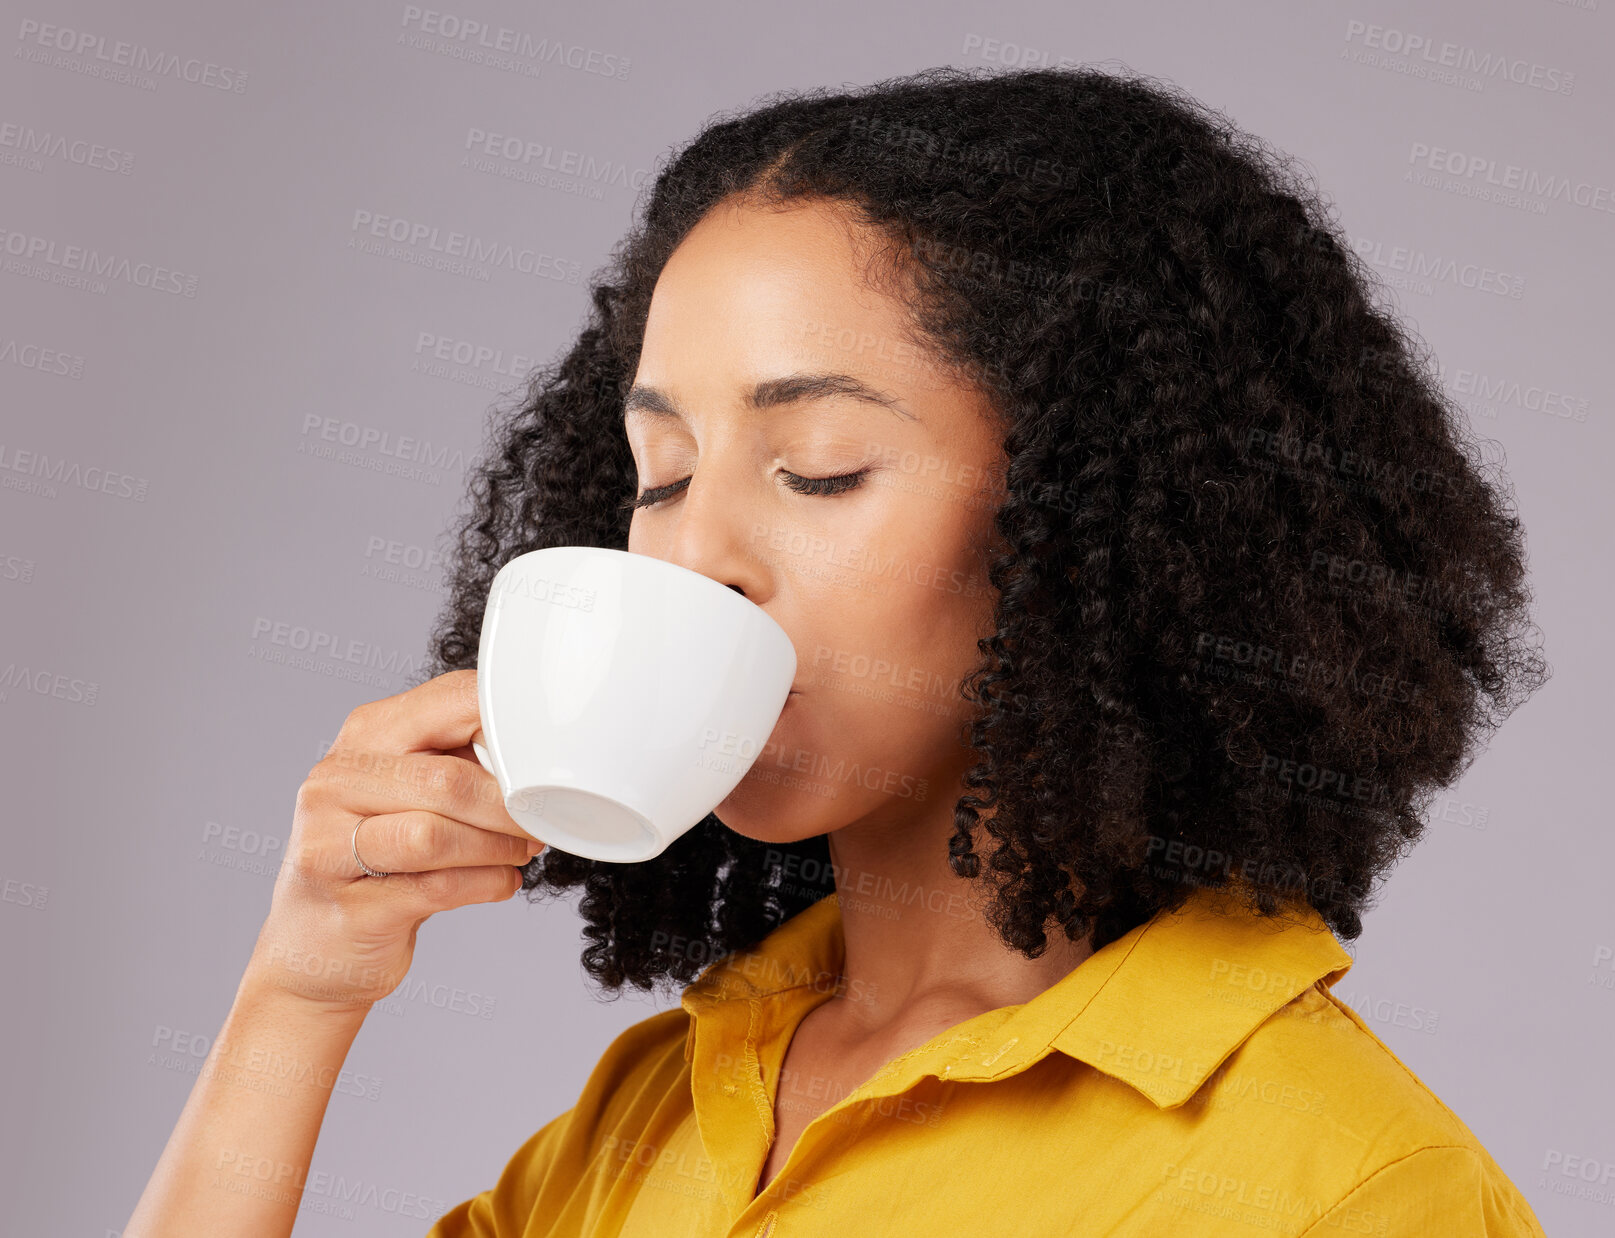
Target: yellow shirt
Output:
[{"x": 1194, "y": 1077}]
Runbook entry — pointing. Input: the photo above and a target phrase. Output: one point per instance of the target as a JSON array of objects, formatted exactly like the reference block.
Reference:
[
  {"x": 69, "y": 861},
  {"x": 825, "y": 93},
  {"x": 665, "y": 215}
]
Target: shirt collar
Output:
[{"x": 1159, "y": 1008}]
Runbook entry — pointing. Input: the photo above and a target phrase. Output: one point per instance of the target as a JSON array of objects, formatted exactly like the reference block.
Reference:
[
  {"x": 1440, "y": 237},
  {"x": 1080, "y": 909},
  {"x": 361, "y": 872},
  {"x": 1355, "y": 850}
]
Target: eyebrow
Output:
[{"x": 773, "y": 393}]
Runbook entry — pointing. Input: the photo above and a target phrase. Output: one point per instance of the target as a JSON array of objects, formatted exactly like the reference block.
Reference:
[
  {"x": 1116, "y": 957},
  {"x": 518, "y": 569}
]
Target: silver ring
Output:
[{"x": 363, "y": 867}]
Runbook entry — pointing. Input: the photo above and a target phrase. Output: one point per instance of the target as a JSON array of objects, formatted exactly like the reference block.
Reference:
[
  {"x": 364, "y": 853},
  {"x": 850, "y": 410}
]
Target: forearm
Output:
[{"x": 239, "y": 1154}]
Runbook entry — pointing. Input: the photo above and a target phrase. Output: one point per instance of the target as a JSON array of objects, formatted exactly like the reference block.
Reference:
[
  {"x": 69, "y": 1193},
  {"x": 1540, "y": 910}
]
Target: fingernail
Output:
[{"x": 533, "y": 848}]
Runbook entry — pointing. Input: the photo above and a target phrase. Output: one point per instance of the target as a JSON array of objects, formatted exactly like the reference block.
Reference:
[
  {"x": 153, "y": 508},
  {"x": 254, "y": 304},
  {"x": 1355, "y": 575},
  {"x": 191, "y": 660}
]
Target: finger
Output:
[
  {"x": 366, "y": 783},
  {"x": 439, "y": 889},
  {"x": 439, "y": 715},
  {"x": 418, "y": 841}
]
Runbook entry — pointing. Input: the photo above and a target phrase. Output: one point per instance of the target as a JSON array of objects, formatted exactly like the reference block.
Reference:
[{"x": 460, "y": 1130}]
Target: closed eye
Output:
[{"x": 838, "y": 483}]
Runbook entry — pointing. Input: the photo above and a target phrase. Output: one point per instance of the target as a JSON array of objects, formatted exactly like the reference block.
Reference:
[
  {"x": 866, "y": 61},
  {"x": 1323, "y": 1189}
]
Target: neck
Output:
[{"x": 916, "y": 936}]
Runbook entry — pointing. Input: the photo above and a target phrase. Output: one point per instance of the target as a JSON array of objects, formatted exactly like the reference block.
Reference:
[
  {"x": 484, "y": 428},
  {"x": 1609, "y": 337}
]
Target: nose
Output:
[{"x": 716, "y": 533}]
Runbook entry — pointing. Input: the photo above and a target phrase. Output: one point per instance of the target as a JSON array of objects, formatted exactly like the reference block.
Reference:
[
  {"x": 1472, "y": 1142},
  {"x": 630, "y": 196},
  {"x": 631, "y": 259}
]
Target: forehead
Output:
[{"x": 755, "y": 287}]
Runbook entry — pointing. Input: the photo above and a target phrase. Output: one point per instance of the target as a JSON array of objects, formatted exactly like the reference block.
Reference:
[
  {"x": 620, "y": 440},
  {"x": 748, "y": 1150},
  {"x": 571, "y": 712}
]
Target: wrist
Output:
[{"x": 261, "y": 995}]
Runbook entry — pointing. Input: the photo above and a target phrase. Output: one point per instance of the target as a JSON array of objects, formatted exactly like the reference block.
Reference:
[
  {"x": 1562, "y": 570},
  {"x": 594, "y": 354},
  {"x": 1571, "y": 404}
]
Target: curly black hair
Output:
[{"x": 1259, "y": 596}]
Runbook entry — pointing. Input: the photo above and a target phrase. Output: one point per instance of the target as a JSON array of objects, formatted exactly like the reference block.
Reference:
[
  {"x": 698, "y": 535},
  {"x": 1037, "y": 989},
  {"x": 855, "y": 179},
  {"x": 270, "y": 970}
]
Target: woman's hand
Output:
[
  {"x": 433, "y": 819},
  {"x": 334, "y": 942}
]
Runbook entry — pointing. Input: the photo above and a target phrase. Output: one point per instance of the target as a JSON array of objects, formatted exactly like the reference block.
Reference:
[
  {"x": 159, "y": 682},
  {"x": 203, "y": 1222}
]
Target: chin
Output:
[{"x": 763, "y": 810}]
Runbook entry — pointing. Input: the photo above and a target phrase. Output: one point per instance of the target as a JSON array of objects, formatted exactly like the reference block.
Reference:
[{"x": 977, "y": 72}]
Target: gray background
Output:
[{"x": 175, "y": 520}]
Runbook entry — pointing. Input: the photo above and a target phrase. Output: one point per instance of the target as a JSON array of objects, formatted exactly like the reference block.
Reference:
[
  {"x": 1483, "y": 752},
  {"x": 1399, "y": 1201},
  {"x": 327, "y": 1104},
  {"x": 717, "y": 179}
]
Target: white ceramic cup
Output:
[{"x": 622, "y": 697}]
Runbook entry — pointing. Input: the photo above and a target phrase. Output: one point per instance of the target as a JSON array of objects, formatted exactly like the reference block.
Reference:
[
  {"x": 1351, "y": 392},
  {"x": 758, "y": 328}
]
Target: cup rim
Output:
[{"x": 673, "y": 571}]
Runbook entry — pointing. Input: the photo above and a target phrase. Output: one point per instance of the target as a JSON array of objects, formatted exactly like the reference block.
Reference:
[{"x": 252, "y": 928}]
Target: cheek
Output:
[
  {"x": 884, "y": 637},
  {"x": 898, "y": 606},
  {"x": 897, "y": 656}
]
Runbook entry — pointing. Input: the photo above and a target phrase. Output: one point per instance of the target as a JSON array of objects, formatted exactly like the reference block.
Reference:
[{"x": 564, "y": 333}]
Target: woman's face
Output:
[{"x": 878, "y": 579}]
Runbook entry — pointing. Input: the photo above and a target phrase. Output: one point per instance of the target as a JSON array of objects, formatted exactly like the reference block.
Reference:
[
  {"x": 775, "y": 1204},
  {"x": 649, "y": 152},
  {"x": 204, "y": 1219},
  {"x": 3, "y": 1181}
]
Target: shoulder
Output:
[
  {"x": 1452, "y": 1191},
  {"x": 640, "y": 1065},
  {"x": 1365, "y": 1088},
  {"x": 1395, "y": 1149},
  {"x": 549, "y": 1174}
]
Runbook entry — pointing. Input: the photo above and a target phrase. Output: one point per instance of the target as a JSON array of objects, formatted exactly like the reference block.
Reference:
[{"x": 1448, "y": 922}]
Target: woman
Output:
[{"x": 1143, "y": 590}]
